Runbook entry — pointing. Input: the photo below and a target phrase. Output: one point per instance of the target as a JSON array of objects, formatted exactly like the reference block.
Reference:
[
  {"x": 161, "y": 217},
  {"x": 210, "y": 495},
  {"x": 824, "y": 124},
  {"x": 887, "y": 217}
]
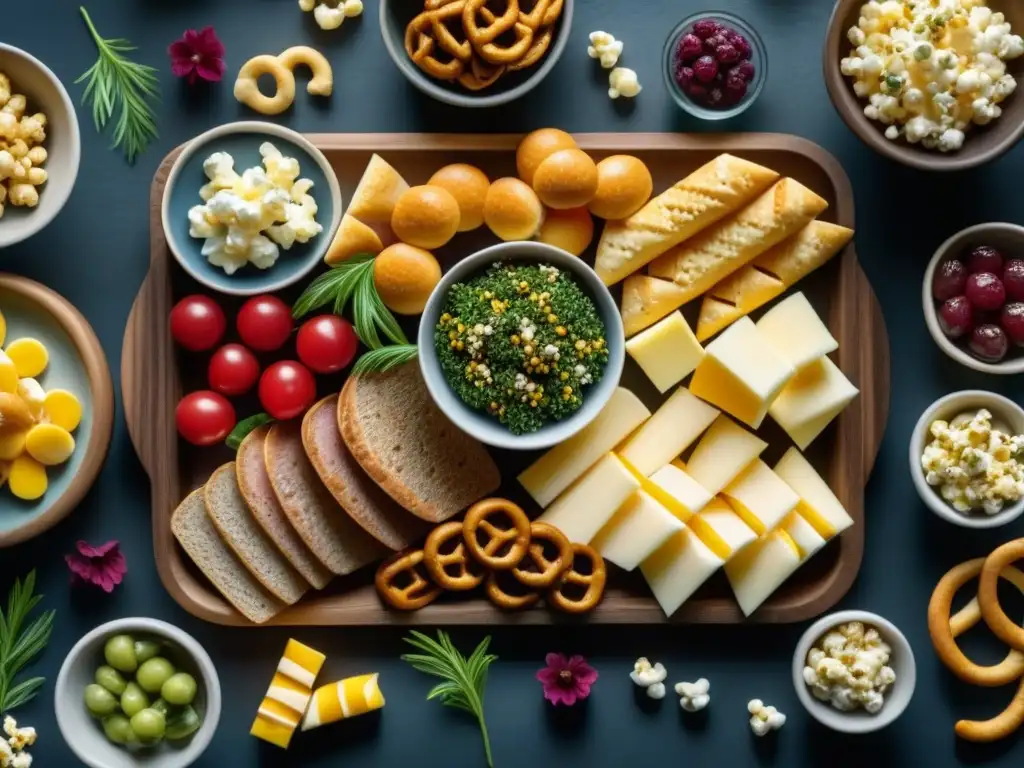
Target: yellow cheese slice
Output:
[
  {"x": 724, "y": 451},
  {"x": 807, "y": 540},
  {"x": 667, "y": 352},
  {"x": 795, "y": 331},
  {"x": 818, "y": 505},
  {"x": 756, "y": 572},
  {"x": 589, "y": 503},
  {"x": 637, "y": 529},
  {"x": 645, "y": 300},
  {"x": 674, "y": 426},
  {"x": 288, "y": 695},
  {"x": 811, "y": 400},
  {"x": 346, "y": 698},
  {"x": 677, "y": 569},
  {"x": 675, "y": 490},
  {"x": 760, "y": 497},
  {"x": 721, "y": 529}
]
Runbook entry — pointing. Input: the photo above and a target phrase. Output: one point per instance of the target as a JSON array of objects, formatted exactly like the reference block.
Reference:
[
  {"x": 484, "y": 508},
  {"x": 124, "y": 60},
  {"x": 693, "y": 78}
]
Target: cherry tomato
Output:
[
  {"x": 287, "y": 389},
  {"x": 326, "y": 343},
  {"x": 264, "y": 323},
  {"x": 197, "y": 323},
  {"x": 204, "y": 417},
  {"x": 233, "y": 370}
]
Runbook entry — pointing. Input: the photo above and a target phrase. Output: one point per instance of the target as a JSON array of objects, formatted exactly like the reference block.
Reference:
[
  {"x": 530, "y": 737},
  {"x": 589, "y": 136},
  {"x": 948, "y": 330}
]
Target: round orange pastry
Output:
[
  {"x": 468, "y": 185},
  {"x": 624, "y": 184},
  {"x": 425, "y": 216},
  {"x": 512, "y": 209},
  {"x": 566, "y": 179},
  {"x": 405, "y": 275},
  {"x": 570, "y": 229},
  {"x": 535, "y": 148}
]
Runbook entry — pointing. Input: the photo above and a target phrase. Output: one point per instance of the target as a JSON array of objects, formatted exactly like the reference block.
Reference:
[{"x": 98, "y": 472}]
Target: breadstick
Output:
[
  {"x": 1000, "y": 726},
  {"x": 988, "y": 599}
]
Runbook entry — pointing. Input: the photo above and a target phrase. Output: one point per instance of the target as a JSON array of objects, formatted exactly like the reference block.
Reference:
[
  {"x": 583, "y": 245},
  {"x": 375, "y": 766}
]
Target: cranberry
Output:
[
  {"x": 727, "y": 53},
  {"x": 684, "y": 77},
  {"x": 985, "y": 259},
  {"x": 743, "y": 47},
  {"x": 689, "y": 48},
  {"x": 715, "y": 97},
  {"x": 1012, "y": 321},
  {"x": 950, "y": 280},
  {"x": 735, "y": 89},
  {"x": 1013, "y": 279},
  {"x": 745, "y": 70},
  {"x": 705, "y": 28},
  {"x": 956, "y": 317},
  {"x": 696, "y": 91},
  {"x": 989, "y": 343},
  {"x": 705, "y": 69},
  {"x": 985, "y": 290},
  {"x": 713, "y": 43}
]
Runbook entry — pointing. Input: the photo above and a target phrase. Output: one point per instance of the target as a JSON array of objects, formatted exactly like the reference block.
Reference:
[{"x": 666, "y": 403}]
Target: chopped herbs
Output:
[{"x": 521, "y": 342}]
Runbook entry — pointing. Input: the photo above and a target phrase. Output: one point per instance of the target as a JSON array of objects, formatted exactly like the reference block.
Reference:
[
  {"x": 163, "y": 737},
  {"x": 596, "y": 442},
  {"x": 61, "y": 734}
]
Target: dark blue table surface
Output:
[{"x": 96, "y": 254}]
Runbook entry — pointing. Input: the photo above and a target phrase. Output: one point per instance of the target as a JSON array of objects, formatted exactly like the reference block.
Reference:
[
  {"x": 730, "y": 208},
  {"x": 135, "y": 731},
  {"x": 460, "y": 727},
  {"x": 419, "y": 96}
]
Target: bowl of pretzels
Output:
[{"x": 475, "y": 53}]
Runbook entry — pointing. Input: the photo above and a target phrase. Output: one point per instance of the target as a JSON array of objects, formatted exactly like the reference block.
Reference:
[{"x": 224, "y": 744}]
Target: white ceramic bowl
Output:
[
  {"x": 1003, "y": 411},
  {"x": 84, "y": 734},
  {"x": 896, "y": 698},
  {"x": 1006, "y": 238}
]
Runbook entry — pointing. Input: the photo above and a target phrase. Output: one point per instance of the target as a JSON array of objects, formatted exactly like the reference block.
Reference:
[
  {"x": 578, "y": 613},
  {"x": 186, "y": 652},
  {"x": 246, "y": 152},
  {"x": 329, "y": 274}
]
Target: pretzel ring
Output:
[
  {"x": 417, "y": 42},
  {"x": 593, "y": 582},
  {"x": 461, "y": 50},
  {"x": 970, "y": 614},
  {"x": 247, "y": 88},
  {"x": 547, "y": 570},
  {"x": 991, "y": 610},
  {"x": 554, "y": 11},
  {"x": 540, "y": 46},
  {"x": 416, "y": 593},
  {"x": 322, "y": 82},
  {"x": 495, "y": 26},
  {"x": 1000, "y": 726},
  {"x": 535, "y": 18},
  {"x": 437, "y": 563},
  {"x": 505, "y": 599},
  {"x": 501, "y": 54},
  {"x": 481, "y": 75},
  {"x": 942, "y": 634},
  {"x": 477, "y": 519}
]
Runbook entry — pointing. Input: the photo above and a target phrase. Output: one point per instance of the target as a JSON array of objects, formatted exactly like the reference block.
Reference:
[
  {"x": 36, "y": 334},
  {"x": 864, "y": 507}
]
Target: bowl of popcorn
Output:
[
  {"x": 39, "y": 145},
  {"x": 250, "y": 208},
  {"x": 930, "y": 85},
  {"x": 854, "y": 672}
]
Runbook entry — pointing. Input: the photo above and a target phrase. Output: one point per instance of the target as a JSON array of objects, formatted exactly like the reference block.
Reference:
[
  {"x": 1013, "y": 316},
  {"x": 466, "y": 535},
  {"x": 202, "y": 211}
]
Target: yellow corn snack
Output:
[
  {"x": 27, "y": 479},
  {"x": 12, "y": 444},
  {"x": 289, "y": 694},
  {"x": 63, "y": 409},
  {"x": 49, "y": 444},
  {"x": 29, "y": 355},
  {"x": 346, "y": 698},
  {"x": 8, "y": 374}
]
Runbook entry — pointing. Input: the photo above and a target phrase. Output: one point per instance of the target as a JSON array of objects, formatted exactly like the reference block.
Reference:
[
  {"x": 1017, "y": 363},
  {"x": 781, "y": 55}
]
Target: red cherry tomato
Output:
[
  {"x": 233, "y": 370},
  {"x": 264, "y": 323},
  {"x": 287, "y": 389},
  {"x": 197, "y": 323},
  {"x": 326, "y": 343},
  {"x": 204, "y": 417}
]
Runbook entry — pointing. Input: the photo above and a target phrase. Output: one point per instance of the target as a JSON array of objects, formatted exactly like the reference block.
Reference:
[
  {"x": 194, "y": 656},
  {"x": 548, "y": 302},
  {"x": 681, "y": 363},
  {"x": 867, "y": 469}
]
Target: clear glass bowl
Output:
[{"x": 759, "y": 58}]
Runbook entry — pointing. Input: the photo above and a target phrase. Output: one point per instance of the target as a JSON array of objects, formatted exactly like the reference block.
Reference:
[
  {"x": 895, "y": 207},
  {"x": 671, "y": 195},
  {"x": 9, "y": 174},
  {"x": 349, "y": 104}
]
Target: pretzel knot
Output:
[
  {"x": 537, "y": 570},
  {"x": 508, "y": 593},
  {"x": 453, "y": 41},
  {"x": 514, "y": 539},
  {"x": 439, "y": 563},
  {"x": 580, "y": 588},
  {"x": 494, "y": 25},
  {"x": 481, "y": 75},
  {"x": 496, "y": 53},
  {"x": 424, "y": 51},
  {"x": 400, "y": 583}
]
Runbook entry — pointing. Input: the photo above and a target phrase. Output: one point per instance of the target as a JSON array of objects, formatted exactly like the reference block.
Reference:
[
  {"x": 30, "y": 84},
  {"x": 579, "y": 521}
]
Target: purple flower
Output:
[
  {"x": 198, "y": 54},
  {"x": 104, "y": 566},
  {"x": 565, "y": 681}
]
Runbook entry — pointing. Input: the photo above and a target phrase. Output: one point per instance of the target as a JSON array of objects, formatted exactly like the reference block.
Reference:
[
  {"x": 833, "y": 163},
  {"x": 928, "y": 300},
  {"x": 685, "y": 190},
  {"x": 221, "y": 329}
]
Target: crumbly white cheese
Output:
[
  {"x": 764, "y": 719},
  {"x": 693, "y": 697},
  {"x": 651, "y": 677},
  {"x": 848, "y": 668}
]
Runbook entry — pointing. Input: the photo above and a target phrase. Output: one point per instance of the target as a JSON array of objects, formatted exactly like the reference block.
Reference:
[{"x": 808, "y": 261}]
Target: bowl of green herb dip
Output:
[{"x": 521, "y": 345}]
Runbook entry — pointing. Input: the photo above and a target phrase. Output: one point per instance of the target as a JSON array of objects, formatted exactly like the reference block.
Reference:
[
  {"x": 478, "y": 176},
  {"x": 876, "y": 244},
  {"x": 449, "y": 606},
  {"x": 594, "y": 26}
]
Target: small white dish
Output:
[
  {"x": 896, "y": 698},
  {"x": 1004, "y": 411}
]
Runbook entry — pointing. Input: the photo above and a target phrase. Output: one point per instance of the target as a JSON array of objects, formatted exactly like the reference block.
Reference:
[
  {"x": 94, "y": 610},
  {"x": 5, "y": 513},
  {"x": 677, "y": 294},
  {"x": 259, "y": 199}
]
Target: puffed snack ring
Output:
[
  {"x": 517, "y": 538},
  {"x": 998, "y": 727},
  {"x": 592, "y": 581},
  {"x": 416, "y": 592},
  {"x": 970, "y": 614},
  {"x": 537, "y": 570},
  {"x": 322, "y": 82},
  {"x": 248, "y": 92},
  {"x": 495, "y": 25},
  {"x": 991, "y": 611},
  {"x": 439, "y": 564},
  {"x": 499, "y": 588}
]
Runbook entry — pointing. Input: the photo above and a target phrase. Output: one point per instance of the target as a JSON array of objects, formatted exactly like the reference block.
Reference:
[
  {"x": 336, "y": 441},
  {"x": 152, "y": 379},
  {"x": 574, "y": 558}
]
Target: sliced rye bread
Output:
[
  {"x": 352, "y": 488},
  {"x": 333, "y": 536},
  {"x": 199, "y": 538},
  {"x": 403, "y": 441},
  {"x": 254, "y": 483},
  {"x": 234, "y": 522}
]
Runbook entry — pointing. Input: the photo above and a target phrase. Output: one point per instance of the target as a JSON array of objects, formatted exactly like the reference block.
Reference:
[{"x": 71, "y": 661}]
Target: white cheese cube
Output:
[
  {"x": 678, "y": 568},
  {"x": 811, "y": 400},
  {"x": 584, "y": 509},
  {"x": 674, "y": 489},
  {"x": 760, "y": 569},
  {"x": 725, "y": 450},
  {"x": 668, "y": 433},
  {"x": 721, "y": 529},
  {"x": 637, "y": 529},
  {"x": 807, "y": 540},
  {"x": 795, "y": 331},
  {"x": 667, "y": 352},
  {"x": 760, "y": 497},
  {"x": 818, "y": 505}
]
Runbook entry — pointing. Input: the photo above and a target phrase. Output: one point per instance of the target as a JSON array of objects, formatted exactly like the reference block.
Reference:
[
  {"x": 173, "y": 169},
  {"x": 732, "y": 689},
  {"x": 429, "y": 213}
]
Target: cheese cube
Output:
[
  {"x": 725, "y": 450},
  {"x": 760, "y": 497},
  {"x": 807, "y": 540},
  {"x": 795, "y": 332},
  {"x": 721, "y": 529},
  {"x": 289, "y": 694},
  {"x": 756, "y": 572},
  {"x": 343, "y": 699},
  {"x": 818, "y": 505},
  {"x": 678, "y": 568},
  {"x": 637, "y": 528},
  {"x": 667, "y": 352},
  {"x": 668, "y": 433},
  {"x": 811, "y": 399},
  {"x": 584, "y": 509},
  {"x": 557, "y": 469},
  {"x": 741, "y": 373},
  {"x": 675, "y": 490}
]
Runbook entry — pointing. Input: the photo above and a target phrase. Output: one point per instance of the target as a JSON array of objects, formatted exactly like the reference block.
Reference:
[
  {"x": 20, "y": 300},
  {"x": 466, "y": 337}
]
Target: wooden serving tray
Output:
[{"x": 155, "y": 375}]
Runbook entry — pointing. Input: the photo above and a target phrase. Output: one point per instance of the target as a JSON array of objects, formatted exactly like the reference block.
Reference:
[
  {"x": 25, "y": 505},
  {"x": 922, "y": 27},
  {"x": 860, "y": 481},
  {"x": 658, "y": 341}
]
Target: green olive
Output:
[
  {"x": 183, "y": 724},
  {"x": 162, "y": 707},
  {"x": 154, "y": 673},
  {"x": 118, "y": 729},
  {"x": 120, "y": 653},
  {"x": 99, "y": 701},
  {"x": 133, "y": 700},
  {"x": 111, "y": 679},
  {"x": 146, "y": 650},
  {"x": 149, "y": 725},
  {"x": 179, "y": 689}
]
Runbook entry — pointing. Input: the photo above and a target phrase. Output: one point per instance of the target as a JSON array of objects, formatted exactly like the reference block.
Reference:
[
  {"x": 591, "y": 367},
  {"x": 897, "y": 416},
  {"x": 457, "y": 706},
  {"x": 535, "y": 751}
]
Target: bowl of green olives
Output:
[{"x": 137, "y": 693}]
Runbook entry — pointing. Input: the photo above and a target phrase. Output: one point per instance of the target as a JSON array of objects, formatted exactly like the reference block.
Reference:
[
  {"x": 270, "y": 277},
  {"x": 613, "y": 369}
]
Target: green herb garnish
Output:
[
  {"x": 464, "y": 679},
  {"x": 117, "y": 81},
  {"x": 244, "y": 427},
  {"x": 384, "y": 359},
  {"x": 20, "y": 644}
]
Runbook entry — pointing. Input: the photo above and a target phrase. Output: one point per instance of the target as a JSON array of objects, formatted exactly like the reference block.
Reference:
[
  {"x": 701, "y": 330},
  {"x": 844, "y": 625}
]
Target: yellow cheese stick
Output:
[
  {"x": 346, "y": 698},
  {"x": 288, "y": 696}
]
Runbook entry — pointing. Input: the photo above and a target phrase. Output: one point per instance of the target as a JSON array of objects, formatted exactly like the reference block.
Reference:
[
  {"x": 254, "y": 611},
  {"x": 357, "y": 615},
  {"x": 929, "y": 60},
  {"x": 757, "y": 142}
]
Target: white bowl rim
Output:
[
  {"x": 1004, "y": 367},
  {"x": 249, "y": 126},
  {"x": 211, "y": 682},
  {"x": 857, "y": 722},
  {"x": 1002, "y": 406},
  {"x": 75, "y": 144}
]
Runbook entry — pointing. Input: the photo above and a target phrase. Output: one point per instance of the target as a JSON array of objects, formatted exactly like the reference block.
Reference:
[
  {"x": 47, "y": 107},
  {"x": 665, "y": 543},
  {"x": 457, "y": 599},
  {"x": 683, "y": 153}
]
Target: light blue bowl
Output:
[{"x": 242, "y": 141}]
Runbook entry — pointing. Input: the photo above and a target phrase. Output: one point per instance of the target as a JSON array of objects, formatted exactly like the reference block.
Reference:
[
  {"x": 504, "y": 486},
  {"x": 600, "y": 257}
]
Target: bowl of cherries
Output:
[
  {"x": 715, "y": 65},
  {"x": 973, "y": 297}
]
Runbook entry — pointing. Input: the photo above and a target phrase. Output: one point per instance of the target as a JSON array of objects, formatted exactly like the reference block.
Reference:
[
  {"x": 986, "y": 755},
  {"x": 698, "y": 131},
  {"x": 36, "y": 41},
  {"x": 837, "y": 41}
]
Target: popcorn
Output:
[
  {"x": 848, "y": 668},
  {"x": 693, "y": 697},
  {"x": 623, "y": 82},
  {"x": 650, "y": 677},
  {"x": 605, "y": 48},
  {"x": 331, "y": 14},
  {"x": 12, "y": 749},
  {"x": 21, "y": 150},
  {"x": 764, "y": 719}
]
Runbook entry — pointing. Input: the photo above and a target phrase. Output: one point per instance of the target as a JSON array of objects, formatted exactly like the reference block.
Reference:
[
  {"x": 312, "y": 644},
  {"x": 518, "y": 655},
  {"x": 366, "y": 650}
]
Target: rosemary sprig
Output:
[
  {"x": 20, "y": 644},
  {"x": 464, "y": 679},
  {"x": 384, "y": 359},
  {"x": 115, "y": 81},
  {"x": 244, "y": 427}
]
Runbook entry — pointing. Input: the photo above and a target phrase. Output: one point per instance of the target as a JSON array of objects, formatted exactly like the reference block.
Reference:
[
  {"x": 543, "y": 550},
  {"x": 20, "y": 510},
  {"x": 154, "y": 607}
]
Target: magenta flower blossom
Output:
[
  {"x": 566, "y": 680},
  {"x": 103, "y": 566},
  {"x": 198, "y": 55}
]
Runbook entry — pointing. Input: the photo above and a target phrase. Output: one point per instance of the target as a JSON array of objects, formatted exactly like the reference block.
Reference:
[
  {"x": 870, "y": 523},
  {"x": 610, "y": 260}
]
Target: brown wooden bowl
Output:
[{"x": 983, "y": 143}]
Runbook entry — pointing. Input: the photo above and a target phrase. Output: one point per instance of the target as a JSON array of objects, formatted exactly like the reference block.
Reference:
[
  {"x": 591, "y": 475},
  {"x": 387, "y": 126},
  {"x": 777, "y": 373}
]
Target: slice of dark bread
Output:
[{"x": 403, "y": 441}]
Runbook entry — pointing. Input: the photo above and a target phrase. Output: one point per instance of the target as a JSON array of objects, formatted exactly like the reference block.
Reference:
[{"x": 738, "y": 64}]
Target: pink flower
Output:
[
  {"x": 566, "y": 680},
  {"x": 198, "y": 54},
  {"x": 103, "y": 566}
]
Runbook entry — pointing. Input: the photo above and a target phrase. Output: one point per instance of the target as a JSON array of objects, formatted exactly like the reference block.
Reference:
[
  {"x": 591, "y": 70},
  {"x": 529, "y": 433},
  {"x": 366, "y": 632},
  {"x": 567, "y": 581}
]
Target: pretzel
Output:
[
  {"x": 322, "y": 82},
  {"x": 1000, "y": 726},
  {"x": 481, "y": 75},
  {"x": 421, "y": 49},
  {"x": 553, "y": 12},
  {"x": 541, "y": 43},
  {"x": 988, "y": 599},
  {"x": 437, "y": 563},
  {"x": 460, "y": 49},
  {"x": 418, "y": 591},
  {"x": 522, "y": 598},
  {"x": 593, "y": 581},
  {"x": 507, "y": 54},
  {"x": 496, "y": 25},
  {"x": 518, "y": 536},
  {"x": 548, "y": 570},
  {"x": 535, "y": 18},
  {"x": 970, "y": 614},
  {"x": 248, "y": 92}
]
